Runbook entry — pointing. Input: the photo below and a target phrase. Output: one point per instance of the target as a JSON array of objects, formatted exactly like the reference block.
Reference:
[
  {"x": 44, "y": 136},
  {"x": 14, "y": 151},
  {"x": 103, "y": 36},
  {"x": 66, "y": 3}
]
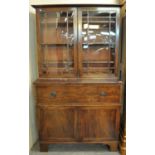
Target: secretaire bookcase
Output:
[{"x": 78, "y": 91}]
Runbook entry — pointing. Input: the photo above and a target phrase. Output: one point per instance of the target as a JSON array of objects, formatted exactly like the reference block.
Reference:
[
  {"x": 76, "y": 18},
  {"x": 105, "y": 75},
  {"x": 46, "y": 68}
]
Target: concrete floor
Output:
[{"x": 74, "y": 149}]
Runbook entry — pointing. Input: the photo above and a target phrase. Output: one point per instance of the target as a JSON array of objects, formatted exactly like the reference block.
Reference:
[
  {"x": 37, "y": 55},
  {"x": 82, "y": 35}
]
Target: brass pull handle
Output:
[
  {"x": 53, "y": 94},
  {"x": 103, "y": 94}
]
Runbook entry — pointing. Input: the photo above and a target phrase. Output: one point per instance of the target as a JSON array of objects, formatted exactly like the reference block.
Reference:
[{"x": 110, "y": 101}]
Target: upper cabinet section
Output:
[
  {"x": 57, "y": 42},
  {"x": 78, "y": 42},
  {"x": 98, "y": 42}
]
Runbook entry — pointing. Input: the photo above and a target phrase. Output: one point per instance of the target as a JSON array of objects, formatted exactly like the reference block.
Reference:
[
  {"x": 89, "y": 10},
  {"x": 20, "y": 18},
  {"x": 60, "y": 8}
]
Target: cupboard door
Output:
[
  {"x": 98, "y": 36},
  {"x": 57, "y": 35},
  {"x": 98, "y": 123},
  {"x": 57, "y": 123}
]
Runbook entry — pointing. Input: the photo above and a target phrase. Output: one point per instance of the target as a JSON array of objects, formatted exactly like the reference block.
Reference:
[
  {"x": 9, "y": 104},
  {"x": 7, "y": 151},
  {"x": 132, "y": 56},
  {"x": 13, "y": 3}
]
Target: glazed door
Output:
[
  {"x": 98, "y": 123},
  {"x": 57, "y": 38},
  {"x": 57, "y": 124},
  {"x": 98, "y": 41}
]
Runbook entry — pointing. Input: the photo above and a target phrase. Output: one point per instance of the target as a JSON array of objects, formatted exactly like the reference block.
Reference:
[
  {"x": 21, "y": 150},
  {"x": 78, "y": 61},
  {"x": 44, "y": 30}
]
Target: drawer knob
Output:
[
  {"x": 103, "y": 94},
  {"x": 53, "y": 94}
]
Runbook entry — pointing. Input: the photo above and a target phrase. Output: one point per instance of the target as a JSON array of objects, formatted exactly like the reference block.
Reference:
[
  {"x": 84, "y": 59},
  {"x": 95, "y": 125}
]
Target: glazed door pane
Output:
[
  {"x": 98, "y": 42},
  {"x": 57, "y": 42}
]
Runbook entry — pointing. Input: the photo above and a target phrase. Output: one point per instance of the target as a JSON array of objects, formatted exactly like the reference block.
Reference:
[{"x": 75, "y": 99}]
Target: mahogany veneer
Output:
[{"x": 78, "y": 91}]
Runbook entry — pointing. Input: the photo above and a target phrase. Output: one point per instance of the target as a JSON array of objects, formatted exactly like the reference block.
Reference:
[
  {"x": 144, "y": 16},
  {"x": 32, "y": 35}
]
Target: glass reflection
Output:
[
  {"x": 98, "y": 36},
  {"x": 57, "y": 40}
]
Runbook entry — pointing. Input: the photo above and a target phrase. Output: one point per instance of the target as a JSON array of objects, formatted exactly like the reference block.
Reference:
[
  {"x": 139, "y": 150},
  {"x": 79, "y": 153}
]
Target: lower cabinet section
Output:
[{"x": 78, "y": 124}]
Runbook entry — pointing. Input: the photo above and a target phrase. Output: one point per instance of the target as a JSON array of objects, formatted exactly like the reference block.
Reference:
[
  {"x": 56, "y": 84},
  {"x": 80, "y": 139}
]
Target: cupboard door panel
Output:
[
  {"x": 98, "y": 123},
  {"x": 57, "y": 123}
]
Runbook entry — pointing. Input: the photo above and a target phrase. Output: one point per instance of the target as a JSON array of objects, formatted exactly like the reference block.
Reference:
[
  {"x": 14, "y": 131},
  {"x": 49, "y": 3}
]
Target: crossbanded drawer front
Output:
[{"x": 80, "y": 93}]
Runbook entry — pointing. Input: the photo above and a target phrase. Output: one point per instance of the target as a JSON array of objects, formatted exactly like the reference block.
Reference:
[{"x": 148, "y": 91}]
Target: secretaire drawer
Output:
[{"x": 80, "y": 93}]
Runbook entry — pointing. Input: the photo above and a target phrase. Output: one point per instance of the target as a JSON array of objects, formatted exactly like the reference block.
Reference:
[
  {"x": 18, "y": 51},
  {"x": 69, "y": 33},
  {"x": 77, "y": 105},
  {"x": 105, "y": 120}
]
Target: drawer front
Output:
[{"x": 80, "y": 93}]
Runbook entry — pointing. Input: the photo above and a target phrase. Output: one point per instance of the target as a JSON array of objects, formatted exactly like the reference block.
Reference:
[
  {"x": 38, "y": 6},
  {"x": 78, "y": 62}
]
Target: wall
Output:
[{"x": 32, "y": 77}]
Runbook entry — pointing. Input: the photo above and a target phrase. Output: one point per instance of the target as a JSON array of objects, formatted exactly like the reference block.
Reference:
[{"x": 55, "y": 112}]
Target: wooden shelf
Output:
[
  {"x": 106, "y": 28},
  {"x": 58, "y": 62},
  {"x": 99, "y": 17},
  {"x": 92, "y": 22},
  {"x": 103, "y": 76},
  {"x": 98, "y": 62},
  {"x": 56, "y": 22},
  {"x": 56, "y": 44},
  {"x": 61, "y": 20},
  {"x": 94, "y": 44},
  {"x": 98, "y": 68},
  {"x": 58, "y": 70}
]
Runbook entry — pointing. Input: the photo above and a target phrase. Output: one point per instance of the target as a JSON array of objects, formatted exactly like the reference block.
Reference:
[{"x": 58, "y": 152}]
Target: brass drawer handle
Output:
[
  {"x": 103, "y": 94},
  {"x": 53, "y": 94}
]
